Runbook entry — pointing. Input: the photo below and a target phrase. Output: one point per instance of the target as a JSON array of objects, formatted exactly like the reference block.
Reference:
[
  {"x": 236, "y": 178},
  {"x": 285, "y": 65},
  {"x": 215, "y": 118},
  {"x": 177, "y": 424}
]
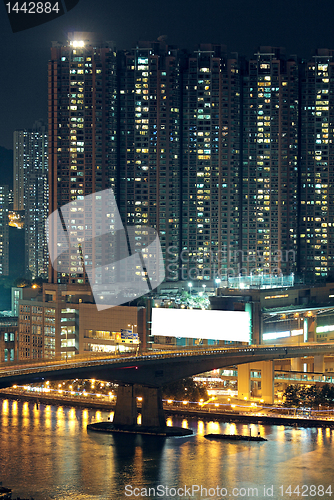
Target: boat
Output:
[{"x": 235, "y": 437}]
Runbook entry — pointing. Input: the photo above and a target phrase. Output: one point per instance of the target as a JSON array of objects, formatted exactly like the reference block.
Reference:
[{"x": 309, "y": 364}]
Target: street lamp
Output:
[
  {"x": 190, "y": 285},
  {"x": 217, "y": 280},
  {"x": 204, "y": 287},
  {"x": 132, "y": 328}
]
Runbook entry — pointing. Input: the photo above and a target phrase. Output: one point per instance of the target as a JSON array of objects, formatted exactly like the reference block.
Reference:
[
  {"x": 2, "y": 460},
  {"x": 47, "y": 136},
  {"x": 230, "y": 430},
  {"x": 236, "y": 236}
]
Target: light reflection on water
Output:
[
  {"x": 47, "y": 453},
  {"x": 200, "y": 428}
]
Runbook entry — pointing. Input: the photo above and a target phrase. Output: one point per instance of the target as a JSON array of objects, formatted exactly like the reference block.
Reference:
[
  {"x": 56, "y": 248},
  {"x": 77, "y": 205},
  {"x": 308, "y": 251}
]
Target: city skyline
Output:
[
  {"x": 242, "y": 26},
  {"x": 202, "y": 147},
  {"x": 194, "y": 139}
]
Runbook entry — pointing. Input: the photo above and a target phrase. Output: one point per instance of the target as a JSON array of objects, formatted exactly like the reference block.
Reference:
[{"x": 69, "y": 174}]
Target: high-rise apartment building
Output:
[
  {"x": 229, "y": 160},
  {"x": 19, "y": 157},
  {"x": 31, "y": 160},
  {"x": 316, "y": 251},
  {"x": 82, "y": 137},
  {"x": 149, "y": 145},
  {"x": 210, "y": 164},
  {"x": 270, "y": 163},
  {"x": 239, "y": 167},
  {"x": 4, "y": 232},
  {"x": 112, "y": 124}
]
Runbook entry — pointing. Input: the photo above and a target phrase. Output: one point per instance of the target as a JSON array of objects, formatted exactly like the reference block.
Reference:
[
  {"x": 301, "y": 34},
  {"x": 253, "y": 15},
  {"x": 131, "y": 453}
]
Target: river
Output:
[{"x": 47, "y": 453}]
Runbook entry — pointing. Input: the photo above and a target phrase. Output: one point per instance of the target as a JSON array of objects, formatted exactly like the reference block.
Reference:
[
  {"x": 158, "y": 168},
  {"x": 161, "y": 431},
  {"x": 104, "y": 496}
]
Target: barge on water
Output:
[{"x": 234, "y": 437}]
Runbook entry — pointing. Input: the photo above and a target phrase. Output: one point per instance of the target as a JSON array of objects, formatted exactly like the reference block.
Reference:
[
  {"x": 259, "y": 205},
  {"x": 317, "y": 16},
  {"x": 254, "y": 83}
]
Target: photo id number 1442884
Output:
[
  {"x": 305, "y": 490},
  {"x": 32, "y": 7}
]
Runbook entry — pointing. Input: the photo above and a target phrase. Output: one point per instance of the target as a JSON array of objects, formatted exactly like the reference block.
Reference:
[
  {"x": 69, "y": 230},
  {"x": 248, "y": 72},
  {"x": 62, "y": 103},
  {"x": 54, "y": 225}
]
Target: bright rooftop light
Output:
[{"x": 77, "y": 43}]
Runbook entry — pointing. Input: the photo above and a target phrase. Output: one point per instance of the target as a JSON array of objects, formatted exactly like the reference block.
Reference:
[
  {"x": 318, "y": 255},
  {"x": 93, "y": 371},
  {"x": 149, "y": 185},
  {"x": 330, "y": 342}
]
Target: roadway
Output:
[{"x": 152, "y": 368}]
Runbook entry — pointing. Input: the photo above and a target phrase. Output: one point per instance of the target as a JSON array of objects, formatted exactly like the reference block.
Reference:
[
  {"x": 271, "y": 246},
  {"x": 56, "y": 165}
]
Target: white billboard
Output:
[{"x": 201, "y": 324}]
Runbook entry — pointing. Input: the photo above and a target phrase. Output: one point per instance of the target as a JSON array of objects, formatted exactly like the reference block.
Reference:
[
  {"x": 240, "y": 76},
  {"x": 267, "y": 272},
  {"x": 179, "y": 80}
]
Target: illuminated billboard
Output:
[
  {"x": 281, "y": 335},
  {"x": 201, "y": 324}
]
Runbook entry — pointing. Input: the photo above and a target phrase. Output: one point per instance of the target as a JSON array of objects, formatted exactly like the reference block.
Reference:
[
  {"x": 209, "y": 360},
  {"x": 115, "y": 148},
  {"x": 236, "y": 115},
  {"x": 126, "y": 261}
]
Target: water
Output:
[{"x": 47, "y": 453}]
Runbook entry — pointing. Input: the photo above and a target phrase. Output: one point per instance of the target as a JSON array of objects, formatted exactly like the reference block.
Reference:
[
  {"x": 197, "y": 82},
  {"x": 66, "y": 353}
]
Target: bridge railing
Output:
[
  {"x": 107, "y": 357},
  {"x": 87, "y": 360},
  {"x": 304, "y": 377}
]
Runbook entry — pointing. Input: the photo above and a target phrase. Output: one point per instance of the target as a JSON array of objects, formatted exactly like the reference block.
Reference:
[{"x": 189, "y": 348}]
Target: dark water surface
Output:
[{"x": 47, "y": 453}]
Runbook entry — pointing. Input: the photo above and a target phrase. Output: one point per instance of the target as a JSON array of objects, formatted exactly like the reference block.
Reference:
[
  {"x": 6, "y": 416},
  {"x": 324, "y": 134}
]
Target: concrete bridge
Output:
[{"x": 149, "y": 371}]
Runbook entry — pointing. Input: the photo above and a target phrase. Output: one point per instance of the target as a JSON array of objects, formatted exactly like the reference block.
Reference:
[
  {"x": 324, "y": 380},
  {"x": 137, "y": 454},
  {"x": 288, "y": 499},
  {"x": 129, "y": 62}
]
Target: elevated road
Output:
[{"x": 152, "y": 368}]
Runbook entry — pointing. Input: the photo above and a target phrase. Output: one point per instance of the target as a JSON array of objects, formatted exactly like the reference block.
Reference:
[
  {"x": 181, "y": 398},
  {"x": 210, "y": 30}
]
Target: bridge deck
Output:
[{"x": 219, "y": 356}]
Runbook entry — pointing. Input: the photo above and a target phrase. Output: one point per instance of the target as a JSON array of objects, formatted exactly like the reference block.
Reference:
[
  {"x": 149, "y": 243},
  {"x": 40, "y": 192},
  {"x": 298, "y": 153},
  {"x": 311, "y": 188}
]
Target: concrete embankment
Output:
[
  {"x": 58, "y": 401},
  {"x": 252, "y": 419}
]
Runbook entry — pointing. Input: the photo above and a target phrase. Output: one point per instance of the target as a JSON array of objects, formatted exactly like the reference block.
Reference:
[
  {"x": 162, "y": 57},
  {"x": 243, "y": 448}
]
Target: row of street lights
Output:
[{"x": 217, "y": 281}]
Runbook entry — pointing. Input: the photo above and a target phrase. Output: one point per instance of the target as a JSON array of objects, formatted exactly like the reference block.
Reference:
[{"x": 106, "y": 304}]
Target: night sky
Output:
[{"x": 243, "y": 25}]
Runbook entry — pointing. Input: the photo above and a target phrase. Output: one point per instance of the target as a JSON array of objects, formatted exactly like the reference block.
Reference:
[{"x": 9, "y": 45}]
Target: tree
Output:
[
  {"x": 326, "y": 395},
  {"x": 291, "y": 396},
  {"x": 184, "y": 389},
  {"x": 312, "y": 396},
  {"x": 22, "y": 282}
]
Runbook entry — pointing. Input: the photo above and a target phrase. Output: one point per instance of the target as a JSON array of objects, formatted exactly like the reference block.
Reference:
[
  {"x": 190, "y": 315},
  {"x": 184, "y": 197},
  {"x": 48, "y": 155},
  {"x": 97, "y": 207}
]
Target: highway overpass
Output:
[{"x": 150, "y": 370}]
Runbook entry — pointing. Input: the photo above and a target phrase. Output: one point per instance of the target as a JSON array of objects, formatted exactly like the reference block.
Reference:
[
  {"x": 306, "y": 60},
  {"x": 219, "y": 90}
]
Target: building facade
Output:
[
  {"x": 63, "y": 321},
  {"x": 210, "y": 163},
  {"x": 4, "y": 232},
  {"x": 82, "y": 135},
  {"x": 8, "y": 339},
  {"x": 31, "y": 194},
  {"x": 283, "y": 314},
  {"x": 228, "y": 159},
  {"x": 149, "y": 144},
  {"x": 18, "y": 169},
  {"x": 270, "y": 163},
  {"x": 316, "y": 251}
]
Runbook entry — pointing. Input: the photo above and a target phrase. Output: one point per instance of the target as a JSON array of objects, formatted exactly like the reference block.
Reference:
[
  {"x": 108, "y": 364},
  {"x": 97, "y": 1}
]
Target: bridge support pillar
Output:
[
  {"x": 126, "y": 406},
  {"x": 244, "y": 382},
  {"x": 152, "y": 411},
  {"x": 267, "y": 381},
  {"x": 319, "y": 364}
]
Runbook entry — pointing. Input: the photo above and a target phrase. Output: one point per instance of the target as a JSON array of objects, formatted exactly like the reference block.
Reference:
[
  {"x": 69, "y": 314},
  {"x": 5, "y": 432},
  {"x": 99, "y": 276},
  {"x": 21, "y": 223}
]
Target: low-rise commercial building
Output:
[
  {"x": 64, "y": 321},
  {"x": 285, "y": 315},
  {"x": 8, "y": 339}
]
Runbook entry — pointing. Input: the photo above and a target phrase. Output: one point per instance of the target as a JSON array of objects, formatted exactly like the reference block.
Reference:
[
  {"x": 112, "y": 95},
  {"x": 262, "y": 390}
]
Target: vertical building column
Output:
[
  {"x": 267, "y": 381},
  {"x": 244, "y": 382},
  {"x": 305, "y": 330},
  {"x": 152, "y": 411},
  {"x": 296, "y": 365},
  {"x": 126, "y": 407},
  {"x": 319, "y": 364}
]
